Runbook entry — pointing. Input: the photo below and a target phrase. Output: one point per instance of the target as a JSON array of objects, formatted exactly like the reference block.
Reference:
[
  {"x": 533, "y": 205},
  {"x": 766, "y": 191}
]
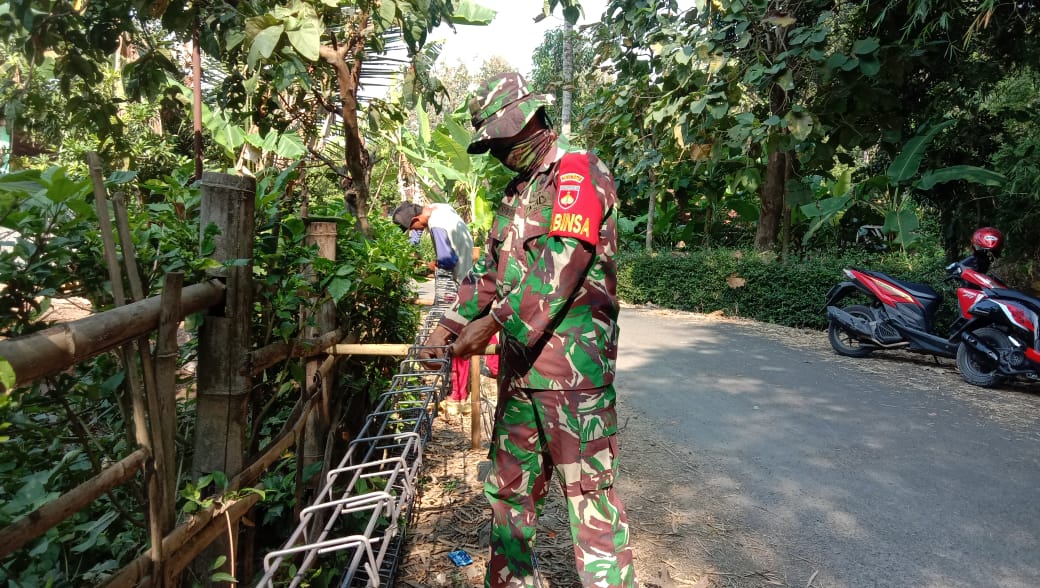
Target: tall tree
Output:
[
  {"x": 548, "y": 74},
  {"x": 306, "y": 34},
  {"x": 774, "y": 93}
]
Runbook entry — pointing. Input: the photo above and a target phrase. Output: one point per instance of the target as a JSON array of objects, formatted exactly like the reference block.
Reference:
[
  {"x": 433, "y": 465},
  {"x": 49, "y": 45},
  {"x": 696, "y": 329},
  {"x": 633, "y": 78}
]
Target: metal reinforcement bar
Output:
[{"x": 357, "y": 522}]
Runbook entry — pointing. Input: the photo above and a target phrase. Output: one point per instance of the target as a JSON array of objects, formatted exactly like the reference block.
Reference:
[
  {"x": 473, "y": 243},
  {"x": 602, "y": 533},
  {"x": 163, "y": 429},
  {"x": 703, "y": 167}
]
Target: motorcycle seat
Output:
[
  {"x": 1017, "y": 296},
  {"x": 923, "y": 292}
]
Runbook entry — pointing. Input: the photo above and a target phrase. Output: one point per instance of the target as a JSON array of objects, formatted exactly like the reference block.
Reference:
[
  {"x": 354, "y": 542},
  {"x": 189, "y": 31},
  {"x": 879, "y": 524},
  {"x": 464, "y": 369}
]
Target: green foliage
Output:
[
  {"x": 889, "y": 194},
  {"x": 759, "y": 286},
  {"x": 447, "y": 173},
  {"x": 50, "y": 450},
  {"x": 52, "y": 223},
  {"x": 57, "y": 253},
  {"x": 81, "y": 415},
  {"x": 1014, "y": 105},
  {"x": 378, "y": 307},
  {"x": 703, "y": 97}
]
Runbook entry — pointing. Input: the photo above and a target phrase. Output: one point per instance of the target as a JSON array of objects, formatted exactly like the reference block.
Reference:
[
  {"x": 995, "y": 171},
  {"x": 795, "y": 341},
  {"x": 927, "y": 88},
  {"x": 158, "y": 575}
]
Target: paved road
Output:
[{"x": 845, "y": 473}]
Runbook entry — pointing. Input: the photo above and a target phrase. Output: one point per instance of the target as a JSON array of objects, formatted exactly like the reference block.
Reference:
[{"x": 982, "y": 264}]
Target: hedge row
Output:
[{"x": 760, "y": 286}]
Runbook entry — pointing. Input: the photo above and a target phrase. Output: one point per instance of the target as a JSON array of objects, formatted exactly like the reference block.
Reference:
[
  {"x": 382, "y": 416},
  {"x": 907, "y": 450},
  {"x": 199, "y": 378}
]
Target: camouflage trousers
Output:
[{"x": 574, "y": 433}]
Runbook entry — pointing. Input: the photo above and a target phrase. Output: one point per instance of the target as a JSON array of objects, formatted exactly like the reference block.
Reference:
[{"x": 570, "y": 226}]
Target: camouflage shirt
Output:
[{"x": 549, "y": 277}]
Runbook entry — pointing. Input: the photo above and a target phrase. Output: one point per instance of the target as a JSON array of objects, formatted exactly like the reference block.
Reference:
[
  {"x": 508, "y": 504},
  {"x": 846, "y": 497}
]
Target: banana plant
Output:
[
  {"x": 445, "y": 169},
  {"x": 891, "y": 194}
]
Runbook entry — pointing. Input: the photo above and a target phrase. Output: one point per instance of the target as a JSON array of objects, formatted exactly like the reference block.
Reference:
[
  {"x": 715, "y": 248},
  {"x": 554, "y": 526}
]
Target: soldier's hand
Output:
[
  {"x": 435, "y": 347},
  {"x": 474, "y": 337}
]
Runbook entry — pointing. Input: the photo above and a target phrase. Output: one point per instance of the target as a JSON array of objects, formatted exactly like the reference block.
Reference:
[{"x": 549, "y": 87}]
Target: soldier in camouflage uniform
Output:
[{"x": 547, "y": 285}]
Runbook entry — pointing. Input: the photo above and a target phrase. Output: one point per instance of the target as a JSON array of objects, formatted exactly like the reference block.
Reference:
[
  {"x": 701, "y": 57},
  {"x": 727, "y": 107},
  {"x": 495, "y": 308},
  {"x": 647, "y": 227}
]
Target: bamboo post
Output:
[
  {"x": 166, "y": 355},
  {"x": 115, "y": 276},
  {"x": 138, "y": 383},
  {"x": 137, "y": 294},
  {"x": 105, "y": 224},
  {"x": 228, "y": 202},
  {"x": 321, "y": 320},
  {"x": 157, "y": 481},
  {"x": 474, "y": 400}
]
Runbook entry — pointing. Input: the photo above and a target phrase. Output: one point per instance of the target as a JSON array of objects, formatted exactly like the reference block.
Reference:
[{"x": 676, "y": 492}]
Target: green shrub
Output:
[{"x": 760, "y": 286}]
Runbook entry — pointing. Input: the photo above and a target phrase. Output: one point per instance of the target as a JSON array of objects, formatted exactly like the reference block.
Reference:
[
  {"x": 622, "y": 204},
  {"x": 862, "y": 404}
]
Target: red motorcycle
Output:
[
  {"x": 901, "y": 314},
  {"x": 1002, "y": 339}
]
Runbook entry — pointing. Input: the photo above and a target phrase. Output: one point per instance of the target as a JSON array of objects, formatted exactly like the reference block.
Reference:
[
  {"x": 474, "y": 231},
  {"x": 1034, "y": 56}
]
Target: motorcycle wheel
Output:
[
  {"x": 843, "y": 342},
  {"x": 976, "y": 368}
]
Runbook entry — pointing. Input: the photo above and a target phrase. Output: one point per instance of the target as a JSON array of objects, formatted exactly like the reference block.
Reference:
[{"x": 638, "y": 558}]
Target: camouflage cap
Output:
[{"x": 500, "y": 108}]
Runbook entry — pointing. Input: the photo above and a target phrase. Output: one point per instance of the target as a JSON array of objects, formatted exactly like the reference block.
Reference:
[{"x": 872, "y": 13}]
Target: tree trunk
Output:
[
  {"x": 786, "y": 230},
  {"x": 651, "y": 211},
  {"x": 196, "y": 100},
  {"x": 771, "y": 199},
  {"x": 356, "y": 189},
  {"x": 771, "y": 204},
  {"x": 568, "y": 78}
]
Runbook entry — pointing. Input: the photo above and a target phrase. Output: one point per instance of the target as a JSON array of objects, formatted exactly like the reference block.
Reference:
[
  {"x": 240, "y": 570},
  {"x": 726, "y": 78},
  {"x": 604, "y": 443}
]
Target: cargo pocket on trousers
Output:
[{"x": 599, "y": 449}]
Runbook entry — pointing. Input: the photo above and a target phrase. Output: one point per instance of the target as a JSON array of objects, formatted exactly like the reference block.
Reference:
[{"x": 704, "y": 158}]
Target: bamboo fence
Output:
[{"x": 127, "y": 329}]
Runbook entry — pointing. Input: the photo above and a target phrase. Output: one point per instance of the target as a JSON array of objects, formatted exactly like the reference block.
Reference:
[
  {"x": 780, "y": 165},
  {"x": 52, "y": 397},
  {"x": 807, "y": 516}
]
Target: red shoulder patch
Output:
[{"x": 577, "y": 211}]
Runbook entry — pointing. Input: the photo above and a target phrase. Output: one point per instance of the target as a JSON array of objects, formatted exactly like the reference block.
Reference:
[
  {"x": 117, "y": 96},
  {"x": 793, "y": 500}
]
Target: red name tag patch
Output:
[{"x": 577, "y": 211}]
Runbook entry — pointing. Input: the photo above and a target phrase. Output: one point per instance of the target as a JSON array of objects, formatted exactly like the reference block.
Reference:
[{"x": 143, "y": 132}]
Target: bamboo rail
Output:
[
  {"x": 233, "y": 511},
  {"x": 39, "y": 521},
  {"x": 58, "y": 348},
  {"x": 265, "y": 357},
  {"x": 389, "y": 349},
  {"x": 183, "y": 537}
]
